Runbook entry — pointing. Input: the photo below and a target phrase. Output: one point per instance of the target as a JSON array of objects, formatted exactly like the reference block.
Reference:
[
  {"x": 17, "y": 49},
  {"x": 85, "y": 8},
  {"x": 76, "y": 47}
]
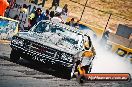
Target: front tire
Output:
[
  {"x": 70, "y": 72},
  {"x": 14, "y": 56},
  {"x": 87, "y": 68},
  {"x": 81, "y": 79},
  {"x": 73, "y": 70}
]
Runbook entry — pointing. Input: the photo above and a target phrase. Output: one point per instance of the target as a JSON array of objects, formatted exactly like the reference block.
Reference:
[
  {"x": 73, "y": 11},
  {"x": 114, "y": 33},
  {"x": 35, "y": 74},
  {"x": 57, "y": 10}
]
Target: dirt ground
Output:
[
  {"x": 27, "y": 74},
  {"x": 97, "y": 12}
]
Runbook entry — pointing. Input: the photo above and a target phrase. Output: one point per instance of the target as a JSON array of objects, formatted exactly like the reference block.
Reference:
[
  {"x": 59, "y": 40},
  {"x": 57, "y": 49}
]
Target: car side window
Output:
[
  {"x": 55, "y": 29},
  {"x": 41, "y": 27}
]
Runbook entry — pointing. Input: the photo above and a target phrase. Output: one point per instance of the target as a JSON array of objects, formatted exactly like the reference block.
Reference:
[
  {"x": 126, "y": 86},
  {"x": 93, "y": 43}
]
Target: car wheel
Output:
[
  {"x": 70, "y": 71},
  {"x": 81, "y": 79},
  {"x": 73, "y": 70},
  {"x": 87, "y": 68},
  {"x": 90, "y": 68},
  {"x": 14, "y": 56}
]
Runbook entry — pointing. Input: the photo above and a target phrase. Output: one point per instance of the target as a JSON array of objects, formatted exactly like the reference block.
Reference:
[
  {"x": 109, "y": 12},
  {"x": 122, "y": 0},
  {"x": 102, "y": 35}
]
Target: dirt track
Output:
[
  {"x": 96, "y": 14},
  {"x": 26, "y": 74}
]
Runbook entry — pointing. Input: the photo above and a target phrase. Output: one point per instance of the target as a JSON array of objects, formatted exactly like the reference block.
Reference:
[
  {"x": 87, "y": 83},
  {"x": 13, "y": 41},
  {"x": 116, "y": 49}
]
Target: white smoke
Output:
[{"x": 108, "y": 62}]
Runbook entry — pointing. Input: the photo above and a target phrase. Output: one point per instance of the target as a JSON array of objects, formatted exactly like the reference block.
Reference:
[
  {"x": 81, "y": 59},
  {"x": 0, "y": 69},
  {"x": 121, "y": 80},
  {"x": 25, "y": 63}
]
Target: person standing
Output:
[
  {"x": 105, "y": 37},
  {"x": 36, "y": 2},
  {"x": 16, "y": 17},
  {"x": 34, "y": 17},
  {"x": 45, "y": 15},
  {"x": 3, "y": 6},
  {"x": 71, "y": 22},
  {"x": 76, "y": 25},
  {"x": 55, "y": 4},
  {"x": 23, "y": 18},
  {"x": 57, "y": 18},
  {"x": 52, "y": 14},
  {"x": 11, "y": 3},
  {"x": 43, "y": 2},
  {"x": 65, "y": 9}
]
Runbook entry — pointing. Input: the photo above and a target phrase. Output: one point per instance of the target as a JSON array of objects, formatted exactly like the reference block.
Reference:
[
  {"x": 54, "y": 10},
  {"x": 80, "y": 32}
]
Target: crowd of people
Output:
[
  {"x": 3, "y": 6},
  {"x": 29, "y": 19}
]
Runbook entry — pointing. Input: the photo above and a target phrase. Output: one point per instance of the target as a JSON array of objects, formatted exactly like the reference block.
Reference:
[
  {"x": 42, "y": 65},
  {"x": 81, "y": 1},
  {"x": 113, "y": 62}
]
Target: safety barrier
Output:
[{"x": 8, "y": 28}]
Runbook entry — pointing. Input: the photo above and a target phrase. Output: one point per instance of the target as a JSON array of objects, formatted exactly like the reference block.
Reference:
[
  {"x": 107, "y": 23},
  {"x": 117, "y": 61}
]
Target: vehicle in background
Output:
[
  {"x": 116, "y": 44},
  {"x": 8, "y": 28},
  {"x": 121, "y": 47}
]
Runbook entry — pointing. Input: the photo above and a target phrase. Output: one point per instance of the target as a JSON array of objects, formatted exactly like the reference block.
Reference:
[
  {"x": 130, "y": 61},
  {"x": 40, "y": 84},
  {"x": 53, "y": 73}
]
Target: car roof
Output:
[{"x": 69, "y": 28}]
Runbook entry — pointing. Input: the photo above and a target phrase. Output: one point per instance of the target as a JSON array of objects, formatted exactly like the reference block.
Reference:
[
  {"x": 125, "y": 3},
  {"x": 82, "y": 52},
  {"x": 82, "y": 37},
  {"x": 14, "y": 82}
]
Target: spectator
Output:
[
  {"x": 11, "y": 3},
  {"x": 71, "y": 23},
  {"x": 33, "y": 2},
  {"x": 23, "y": 18},
  {"x": 52, "y": 14},
  {"x": 65, "y": 9},
  {"x": 77, "y": 24},
  {"x": 34, "y": 17},
  {"x": 33, "y": 10},
  {"x": 57, "y": 18},
  {"x": 16, "y": 17},
  {"x": 36, "y": 2},
  {"x": 43, "y": 2},
  {"x": 58, "y": 9},
  {"x": 55, "y": 4},
  {"x": 3, "y": 5},
  {"x": 45, "y": 15},
  {"x": 105, "y": 37}
]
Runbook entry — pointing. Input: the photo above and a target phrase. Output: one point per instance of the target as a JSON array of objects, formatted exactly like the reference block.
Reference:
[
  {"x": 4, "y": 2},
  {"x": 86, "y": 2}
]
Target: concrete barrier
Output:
[
  {"x": 120, "y": 40},
  {"x": 8, "y": 28}
]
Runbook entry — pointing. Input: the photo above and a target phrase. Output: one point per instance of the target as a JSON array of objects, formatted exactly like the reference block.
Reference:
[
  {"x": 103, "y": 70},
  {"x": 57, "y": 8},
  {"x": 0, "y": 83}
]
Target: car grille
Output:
[
  {"x": 44, "y": 52},
  {"x": 48, "y": 52}
]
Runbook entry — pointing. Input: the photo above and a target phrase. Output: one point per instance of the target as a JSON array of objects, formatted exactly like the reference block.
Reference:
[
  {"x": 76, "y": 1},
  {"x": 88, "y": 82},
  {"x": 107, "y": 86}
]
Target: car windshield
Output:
[{"x": 60, "y": 36}]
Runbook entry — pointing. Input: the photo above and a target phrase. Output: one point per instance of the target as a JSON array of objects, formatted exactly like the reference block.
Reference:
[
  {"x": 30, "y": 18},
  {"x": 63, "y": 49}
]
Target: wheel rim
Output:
[
  {"x": 73, "y": 69},
  {"x": 90, "y": 67},
  {"x": 82, "y": 80}
]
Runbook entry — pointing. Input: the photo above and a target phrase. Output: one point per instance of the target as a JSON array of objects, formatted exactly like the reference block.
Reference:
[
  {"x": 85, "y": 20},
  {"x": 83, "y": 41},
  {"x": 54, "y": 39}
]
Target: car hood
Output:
[{"x": 48, "y": 39}]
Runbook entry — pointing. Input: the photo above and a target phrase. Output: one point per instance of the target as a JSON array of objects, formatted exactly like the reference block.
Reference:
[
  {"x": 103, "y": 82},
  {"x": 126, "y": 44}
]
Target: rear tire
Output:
[
  {"x": 70, "y": 71},
  {"x": 14, "y": 56},
  {"x": 81, "y": 79},
  {"x": 87, "y": 68}
]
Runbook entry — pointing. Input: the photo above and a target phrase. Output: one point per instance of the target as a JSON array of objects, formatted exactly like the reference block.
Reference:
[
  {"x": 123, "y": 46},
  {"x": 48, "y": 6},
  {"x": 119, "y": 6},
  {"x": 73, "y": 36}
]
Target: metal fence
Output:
[
  {"x": 97, "y": 17},
  {"x": 89, "y": 13},
  {"x": 105, "y": 20}
]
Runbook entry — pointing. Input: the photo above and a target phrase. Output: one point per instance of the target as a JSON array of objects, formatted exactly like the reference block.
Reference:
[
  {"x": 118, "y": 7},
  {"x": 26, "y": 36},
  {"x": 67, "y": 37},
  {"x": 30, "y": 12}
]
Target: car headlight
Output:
[
  {"x": 70, "y": 58},
  {"x": 14, "y": 41},
  {"x": 18, "y": 42},
  {"x": 66, "y": 57},
  {"x": 63, "y": 56}
]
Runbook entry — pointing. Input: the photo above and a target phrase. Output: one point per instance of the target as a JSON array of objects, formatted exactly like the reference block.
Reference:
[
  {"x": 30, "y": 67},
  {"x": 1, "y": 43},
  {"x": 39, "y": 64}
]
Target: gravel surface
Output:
[{"x": 26, "y": 74}]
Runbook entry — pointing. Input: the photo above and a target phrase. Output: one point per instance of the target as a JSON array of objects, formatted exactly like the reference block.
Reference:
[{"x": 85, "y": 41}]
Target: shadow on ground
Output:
[{"x": 42, "y": 68}]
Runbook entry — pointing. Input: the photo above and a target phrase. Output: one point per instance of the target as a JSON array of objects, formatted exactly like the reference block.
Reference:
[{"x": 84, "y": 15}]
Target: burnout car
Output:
[{"x": 57, "y": 45}]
